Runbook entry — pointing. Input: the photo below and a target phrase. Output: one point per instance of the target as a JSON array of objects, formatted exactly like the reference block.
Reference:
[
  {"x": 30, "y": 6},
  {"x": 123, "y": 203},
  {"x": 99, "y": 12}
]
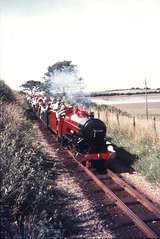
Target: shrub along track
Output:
[{"x": 96, "y": 212}]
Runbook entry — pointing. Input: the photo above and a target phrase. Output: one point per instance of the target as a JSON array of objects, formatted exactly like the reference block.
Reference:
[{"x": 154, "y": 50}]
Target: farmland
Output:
[{"x": 133, "y": 104}]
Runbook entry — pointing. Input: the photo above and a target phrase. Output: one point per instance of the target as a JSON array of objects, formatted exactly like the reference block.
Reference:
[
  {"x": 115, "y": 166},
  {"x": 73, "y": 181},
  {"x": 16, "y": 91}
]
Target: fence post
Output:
[
  {"x": 98, "y": 110},
  {"x": 118, "y": 122},
  {"x": 134, "y": 126},
  {"x": 154, "y": 125},
  {"x": 106, "y": 116},
  {"x": 134, "y": 122}
]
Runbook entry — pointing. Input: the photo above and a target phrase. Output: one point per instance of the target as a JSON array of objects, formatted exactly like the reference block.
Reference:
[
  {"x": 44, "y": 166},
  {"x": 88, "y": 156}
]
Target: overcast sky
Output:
[{"x": 115, "y": 43}]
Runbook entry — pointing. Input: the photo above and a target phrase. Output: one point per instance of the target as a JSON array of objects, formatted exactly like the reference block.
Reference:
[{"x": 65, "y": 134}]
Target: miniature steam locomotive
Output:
[{"x": 81, "y": 132}]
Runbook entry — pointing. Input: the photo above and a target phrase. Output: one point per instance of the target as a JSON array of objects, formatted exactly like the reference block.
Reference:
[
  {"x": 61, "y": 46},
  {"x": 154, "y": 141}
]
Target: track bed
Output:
[{"x": 95, "y": 213}]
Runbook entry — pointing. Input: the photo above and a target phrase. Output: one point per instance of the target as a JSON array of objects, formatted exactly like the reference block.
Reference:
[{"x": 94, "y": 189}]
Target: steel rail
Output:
[
  {"x": 143, "y": 200},
  {"x": 137, "y": 221}
]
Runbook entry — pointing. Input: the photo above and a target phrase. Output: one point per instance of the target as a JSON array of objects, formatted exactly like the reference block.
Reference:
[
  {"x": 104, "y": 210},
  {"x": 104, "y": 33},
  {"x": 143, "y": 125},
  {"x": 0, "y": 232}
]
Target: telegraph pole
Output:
[{"x": 146, "y": 94}]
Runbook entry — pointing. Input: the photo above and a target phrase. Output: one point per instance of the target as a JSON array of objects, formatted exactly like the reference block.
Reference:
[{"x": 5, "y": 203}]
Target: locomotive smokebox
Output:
[{"x": 94, "y": 131}]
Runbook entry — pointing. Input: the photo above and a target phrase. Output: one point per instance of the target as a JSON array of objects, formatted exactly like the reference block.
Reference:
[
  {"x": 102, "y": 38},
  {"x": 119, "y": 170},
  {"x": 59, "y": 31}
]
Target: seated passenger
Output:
[
  {"x": 29, "y": 99},
  {"x": 62, "y": 106},
  {"x": 33, "y": 103},
  {"x": 61, "y": 110},
  {"x": 54, "y": 105},
  {"x": 42, "y": 109},
  {"x": 48, "y": 106}
]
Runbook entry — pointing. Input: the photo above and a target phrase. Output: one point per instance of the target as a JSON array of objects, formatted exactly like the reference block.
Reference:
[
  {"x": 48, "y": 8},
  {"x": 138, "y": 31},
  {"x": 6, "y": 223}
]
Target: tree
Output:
[
  {"x": 47, "y": 85},
  {"x": 33, "y": 86},
  {"x": 62, "y": 66},
  {"x": 63, "y": 78}
]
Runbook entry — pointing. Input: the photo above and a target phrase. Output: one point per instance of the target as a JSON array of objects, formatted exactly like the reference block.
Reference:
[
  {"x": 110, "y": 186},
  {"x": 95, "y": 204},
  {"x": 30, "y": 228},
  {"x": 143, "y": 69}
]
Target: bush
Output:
[
  {"x": 6, "y": 94},
  {"x": 27, "y": 191}
]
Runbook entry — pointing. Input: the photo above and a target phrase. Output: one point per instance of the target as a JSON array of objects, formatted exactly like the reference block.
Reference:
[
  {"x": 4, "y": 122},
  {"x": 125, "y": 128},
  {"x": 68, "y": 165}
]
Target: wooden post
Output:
[
  {"x": 154, "y": 125},
  {"x": 106, "y": 117},
  {"x": 118, "y": 122},
  {"x": 134, "y": 122},
  {"x": 98, "y": 110},
  {"x": 134, "y": 127}
]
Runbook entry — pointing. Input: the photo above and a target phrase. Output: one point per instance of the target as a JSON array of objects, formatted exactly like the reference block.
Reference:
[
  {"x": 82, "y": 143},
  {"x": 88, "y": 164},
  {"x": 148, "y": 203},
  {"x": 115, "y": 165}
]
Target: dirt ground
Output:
[{"x": 148, "y": 189}]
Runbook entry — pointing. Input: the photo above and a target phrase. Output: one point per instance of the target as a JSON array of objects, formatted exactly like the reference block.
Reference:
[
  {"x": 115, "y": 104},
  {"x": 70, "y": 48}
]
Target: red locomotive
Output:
[{"x": 80, "y": 131}]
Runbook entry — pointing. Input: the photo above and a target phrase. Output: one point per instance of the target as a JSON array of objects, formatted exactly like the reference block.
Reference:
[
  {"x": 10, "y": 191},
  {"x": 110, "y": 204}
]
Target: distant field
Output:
[
  {"x": 134, "y": 104},
  {"x": 140, "y": 108}
]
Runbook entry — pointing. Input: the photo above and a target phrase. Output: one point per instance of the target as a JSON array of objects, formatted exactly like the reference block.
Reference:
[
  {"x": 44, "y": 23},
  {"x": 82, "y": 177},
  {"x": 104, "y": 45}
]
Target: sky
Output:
[{"x": 114, "y": 43}]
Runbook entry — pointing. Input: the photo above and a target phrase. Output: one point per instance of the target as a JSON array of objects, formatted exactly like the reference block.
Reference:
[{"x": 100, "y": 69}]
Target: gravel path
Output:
[{"x": 148, "y": 189}]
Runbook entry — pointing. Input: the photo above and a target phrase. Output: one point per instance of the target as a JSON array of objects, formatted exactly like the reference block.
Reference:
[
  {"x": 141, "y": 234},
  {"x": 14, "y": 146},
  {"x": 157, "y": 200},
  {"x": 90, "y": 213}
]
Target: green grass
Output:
[
  {"x": 26, "y": 188},
  {"x": 29, "y": 196},
  {"x": 141, "y": 143},
  {"x": 147, "y": 151}
]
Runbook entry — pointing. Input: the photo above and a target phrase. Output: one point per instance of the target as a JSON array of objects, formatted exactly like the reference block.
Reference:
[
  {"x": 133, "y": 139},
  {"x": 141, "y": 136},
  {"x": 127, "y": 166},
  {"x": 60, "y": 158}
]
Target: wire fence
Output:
[{"x": 134, "y": 126}]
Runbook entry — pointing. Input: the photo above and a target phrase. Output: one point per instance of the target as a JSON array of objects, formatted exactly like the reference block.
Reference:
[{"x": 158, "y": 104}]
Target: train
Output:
[{"x": 79, "y": 131}]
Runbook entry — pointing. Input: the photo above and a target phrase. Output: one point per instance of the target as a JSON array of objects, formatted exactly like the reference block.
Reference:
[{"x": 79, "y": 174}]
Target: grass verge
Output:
[
  {"x": 140, "y": 137},
  {"x": 31, "y": 205}
]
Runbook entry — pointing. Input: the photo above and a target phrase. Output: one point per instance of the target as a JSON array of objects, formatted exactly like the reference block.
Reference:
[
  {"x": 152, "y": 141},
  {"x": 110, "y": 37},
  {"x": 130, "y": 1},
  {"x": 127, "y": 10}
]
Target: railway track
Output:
[{"x": 139, "y": 210}]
